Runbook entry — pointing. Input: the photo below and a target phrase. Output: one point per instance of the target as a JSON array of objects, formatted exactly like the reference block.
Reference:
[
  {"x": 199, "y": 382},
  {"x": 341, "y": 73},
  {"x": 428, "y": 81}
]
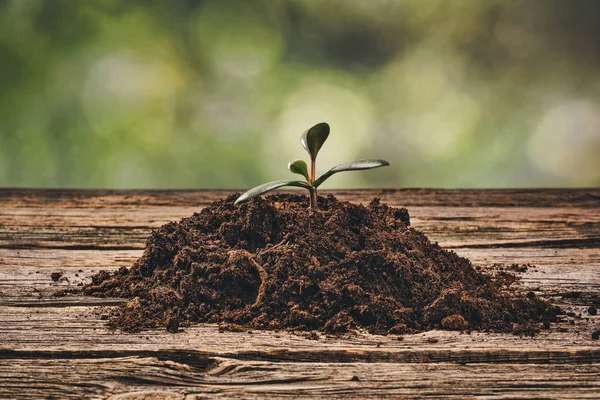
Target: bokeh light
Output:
[{"x": 216, "y": 93}]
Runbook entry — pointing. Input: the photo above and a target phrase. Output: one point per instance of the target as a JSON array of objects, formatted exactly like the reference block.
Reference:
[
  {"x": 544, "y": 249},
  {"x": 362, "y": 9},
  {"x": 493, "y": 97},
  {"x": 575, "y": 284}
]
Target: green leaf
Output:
[
  {"x": 313, "y": 139},
  {"x": 299, "y": 167},
  {"x": 351, "y": 166},
  {"x": 267, "y": 187}
]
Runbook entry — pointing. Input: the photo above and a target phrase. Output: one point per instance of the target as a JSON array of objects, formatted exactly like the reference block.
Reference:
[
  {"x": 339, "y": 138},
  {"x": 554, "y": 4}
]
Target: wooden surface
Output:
[{"x": 59, "y": 347}]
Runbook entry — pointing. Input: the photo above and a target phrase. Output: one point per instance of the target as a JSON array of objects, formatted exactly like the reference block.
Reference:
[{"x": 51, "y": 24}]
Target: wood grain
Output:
[{"x": 59, "y": 347}]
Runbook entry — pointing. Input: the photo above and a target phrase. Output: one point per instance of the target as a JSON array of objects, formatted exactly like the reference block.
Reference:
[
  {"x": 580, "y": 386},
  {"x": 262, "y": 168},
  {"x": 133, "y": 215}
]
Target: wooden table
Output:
[{"x": 59, "y": 347}]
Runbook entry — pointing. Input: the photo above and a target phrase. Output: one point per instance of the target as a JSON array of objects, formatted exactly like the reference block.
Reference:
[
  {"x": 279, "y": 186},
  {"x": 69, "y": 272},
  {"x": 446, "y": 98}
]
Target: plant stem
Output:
[
  {"x": 314, "y": 204},
  {"x": 313, "y": 199}
]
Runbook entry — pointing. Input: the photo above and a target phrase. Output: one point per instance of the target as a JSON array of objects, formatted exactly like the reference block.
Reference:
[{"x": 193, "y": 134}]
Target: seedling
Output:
[{"x": 312, "y": 140}]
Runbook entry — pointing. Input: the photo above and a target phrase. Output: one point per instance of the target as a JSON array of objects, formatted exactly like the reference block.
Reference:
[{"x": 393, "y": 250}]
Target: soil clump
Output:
[
  {"x": 55, "y": 276},
  {"x": 271, "y": 263}
]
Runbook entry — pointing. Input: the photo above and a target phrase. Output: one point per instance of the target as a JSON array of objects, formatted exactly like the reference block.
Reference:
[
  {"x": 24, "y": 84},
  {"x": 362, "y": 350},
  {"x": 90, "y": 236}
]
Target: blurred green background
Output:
[{"x": 215, "y": 94}]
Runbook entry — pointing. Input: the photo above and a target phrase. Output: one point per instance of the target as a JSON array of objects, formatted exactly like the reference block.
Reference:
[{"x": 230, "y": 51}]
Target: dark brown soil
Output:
[
  {"x": 55, "y": 276},
  {"x": 271, "y": 263}
]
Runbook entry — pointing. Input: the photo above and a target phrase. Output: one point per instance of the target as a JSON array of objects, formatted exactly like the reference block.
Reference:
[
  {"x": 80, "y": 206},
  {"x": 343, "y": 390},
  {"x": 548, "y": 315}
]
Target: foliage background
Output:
[{"x": 215, "y": 94}]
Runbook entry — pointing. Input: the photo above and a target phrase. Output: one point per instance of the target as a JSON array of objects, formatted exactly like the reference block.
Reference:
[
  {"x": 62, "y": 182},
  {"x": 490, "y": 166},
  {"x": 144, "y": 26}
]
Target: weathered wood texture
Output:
[{"x": 60, "y": 348}]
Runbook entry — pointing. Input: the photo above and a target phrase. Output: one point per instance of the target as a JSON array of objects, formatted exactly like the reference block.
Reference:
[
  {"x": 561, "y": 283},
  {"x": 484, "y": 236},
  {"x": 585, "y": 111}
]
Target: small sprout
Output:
[
  {"x": 312, "y": 140},
  {"x": 299, "y": 167}
]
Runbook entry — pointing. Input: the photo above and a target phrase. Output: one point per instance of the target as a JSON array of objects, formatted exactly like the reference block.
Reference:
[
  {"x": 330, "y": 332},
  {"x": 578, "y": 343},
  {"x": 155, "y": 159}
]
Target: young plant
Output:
[{"x": 312, "y": 140}]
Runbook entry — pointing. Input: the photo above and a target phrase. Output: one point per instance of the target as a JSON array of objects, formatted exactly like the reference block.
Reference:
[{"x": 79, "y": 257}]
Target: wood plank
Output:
[
  {"x": 120, "y": 199},
  {"x": 36, "y": 329},
  {"x": 451, "y": 226},
  {"x": 152, "y": 377},
  {"x": 25, "y": 274}
]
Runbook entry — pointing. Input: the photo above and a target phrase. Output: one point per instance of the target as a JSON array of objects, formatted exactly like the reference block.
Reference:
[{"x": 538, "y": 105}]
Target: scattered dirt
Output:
[
  {"x": 518, "y": 267},
  {"x": 271, "y": 263},
  {"x": 55, "y": 276},
  {"x": 592, "y": 310}
]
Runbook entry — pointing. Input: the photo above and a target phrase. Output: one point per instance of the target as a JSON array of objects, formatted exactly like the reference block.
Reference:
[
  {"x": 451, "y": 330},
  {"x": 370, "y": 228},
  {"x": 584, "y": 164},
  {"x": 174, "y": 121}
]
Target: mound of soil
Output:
[{"x": 271, "y": 263}]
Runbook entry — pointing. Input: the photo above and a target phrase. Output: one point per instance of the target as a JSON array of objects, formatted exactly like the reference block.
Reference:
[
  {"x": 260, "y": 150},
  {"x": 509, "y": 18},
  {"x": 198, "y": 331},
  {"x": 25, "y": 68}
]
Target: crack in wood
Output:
[
  {"x": 79, "y": 302},
  {"x": 586, "y": 243},
  {"x": 204, "y": 361},
  {"x": 35, "y": 246},
  {"x": 198, "y": 361}
]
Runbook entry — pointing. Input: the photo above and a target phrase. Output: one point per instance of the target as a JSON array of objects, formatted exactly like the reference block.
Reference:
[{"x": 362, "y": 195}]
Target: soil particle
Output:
[
  {"x": 592, "y": 310},
  {"x": 271, "y": 263},
  {"x": 173, "y": 324},
  {"x": 596, "y": 335},
  {"x": 518, "y": 268},
  {"x": 55, "y": 276},
  {"x": 525, "y": 329},
  {"x": 311, "y": 335}
]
